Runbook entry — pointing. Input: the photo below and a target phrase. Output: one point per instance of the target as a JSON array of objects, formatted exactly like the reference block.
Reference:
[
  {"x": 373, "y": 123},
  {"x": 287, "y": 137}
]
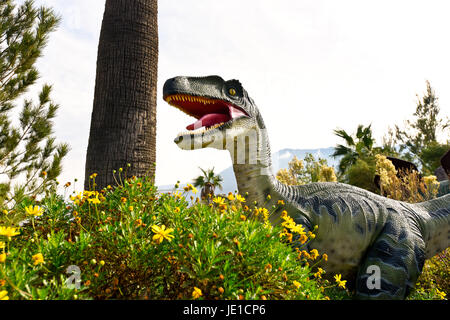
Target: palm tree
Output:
[
  {"x": 123, "y": 124},
  {"x": 208, "y": 182},
  {"x": 360, "y": 146}
]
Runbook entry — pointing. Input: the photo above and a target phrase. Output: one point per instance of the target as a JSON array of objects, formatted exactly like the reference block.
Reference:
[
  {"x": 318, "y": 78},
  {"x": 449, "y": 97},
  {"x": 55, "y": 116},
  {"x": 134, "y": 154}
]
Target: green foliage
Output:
[
  {"x": 112, "y": 237},
  {"x": 27, "y": 152},
  {"x": 418, "y": 141},
  {"x": 208, "y": 183},
  {"x": 362, "y": 174},
  {"x": 208, "y": 177},
  {"x": 359, "y": 146},
  {"x": 434, "y": 283},
  {"x": 431, "y": 155}
]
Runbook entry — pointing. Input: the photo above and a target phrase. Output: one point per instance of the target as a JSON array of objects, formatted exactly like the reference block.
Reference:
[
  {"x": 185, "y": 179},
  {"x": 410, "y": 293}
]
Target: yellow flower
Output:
[
  {"x": 243, "y": 217},
  {"x": 162, "y": 233},
  {"x": 281, "y": 202},
  {"x": 2, "y": 257},
  {"x": 230, "y": 196},
  {"x": 177, "y": 195},
  {"x": 139, "y": 223},
  {"x": 4, "y": 295},
  {"x": 176, "y": 210},
  {"x": 8, "y": 232},
  {"x": 34, "y": 211},
  {"x": 197, "y": 293},
  {"x": 298, "y": 228},
  {"x": 219, "y": 200},
  {"x": 314, "y": 254},
  {"x": 240, "y": 198},
  {"x": 288, "y": 222},
  {"x": 303, "y": 238},
  {"x": 319, "y": 273},
  {"x": 190, "y": 187},
  {"x": 94, "y": 200},
  {"x": 341, "y": 283},
  {"x": 296, "y": 284},
  {"x": 264, "y": 212},
  {"x": 38, "y": 258},
  {"x": 325, "y": 257},
  {"x": 5, "y": 211},
  {"x": 441, "y": 294}
]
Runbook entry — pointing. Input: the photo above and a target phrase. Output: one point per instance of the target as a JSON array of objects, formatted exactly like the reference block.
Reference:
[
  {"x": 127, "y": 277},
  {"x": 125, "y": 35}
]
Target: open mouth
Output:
[{"x": 210, "y": 113}]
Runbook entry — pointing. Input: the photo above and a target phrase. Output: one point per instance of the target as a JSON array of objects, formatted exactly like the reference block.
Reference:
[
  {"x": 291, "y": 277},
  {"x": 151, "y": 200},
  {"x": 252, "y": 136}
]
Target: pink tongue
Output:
[{"x": 209, "y": 120}]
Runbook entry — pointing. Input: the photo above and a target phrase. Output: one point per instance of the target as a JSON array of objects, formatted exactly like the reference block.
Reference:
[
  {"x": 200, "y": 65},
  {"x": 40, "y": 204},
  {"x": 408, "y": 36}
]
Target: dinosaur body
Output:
[{"x": 357, "y": 229}]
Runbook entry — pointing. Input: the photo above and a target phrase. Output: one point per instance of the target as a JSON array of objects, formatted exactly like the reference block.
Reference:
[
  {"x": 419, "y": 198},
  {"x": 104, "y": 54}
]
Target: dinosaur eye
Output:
[{"x": 231, "y": 91}]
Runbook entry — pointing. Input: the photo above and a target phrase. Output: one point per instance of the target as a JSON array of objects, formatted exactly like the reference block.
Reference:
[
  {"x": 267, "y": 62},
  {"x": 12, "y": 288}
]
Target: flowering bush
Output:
[
  {"x": 408, "y": 186},
  {"x": 130, "y": 242},
  {"x": 306, "y": 171}
]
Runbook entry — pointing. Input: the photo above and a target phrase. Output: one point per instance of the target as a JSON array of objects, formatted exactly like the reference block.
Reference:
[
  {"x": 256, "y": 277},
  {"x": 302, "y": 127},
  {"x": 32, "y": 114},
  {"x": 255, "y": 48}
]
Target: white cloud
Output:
[{"x": 311, "y": 66}]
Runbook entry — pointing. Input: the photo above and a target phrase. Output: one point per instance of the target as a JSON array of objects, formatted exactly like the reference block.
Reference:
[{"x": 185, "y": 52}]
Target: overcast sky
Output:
[{"x": 311, "y": 66}]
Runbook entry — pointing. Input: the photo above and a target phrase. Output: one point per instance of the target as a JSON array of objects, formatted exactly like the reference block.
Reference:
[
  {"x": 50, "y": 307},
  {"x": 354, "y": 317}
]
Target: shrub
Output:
[
  {"x": 130, "y": 242},
  {"x": 306, "y": 171}
]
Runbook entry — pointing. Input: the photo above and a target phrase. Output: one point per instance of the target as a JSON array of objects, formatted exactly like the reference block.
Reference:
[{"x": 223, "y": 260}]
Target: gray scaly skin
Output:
[{"x": 357, "y": 228}]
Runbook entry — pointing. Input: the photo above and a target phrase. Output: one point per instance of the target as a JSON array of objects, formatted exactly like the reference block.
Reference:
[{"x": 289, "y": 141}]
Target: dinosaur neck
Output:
[{"x": 252, "y": 166}]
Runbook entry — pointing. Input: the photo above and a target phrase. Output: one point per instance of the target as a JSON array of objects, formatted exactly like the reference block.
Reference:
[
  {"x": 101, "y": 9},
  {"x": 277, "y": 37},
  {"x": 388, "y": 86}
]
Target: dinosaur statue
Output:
[{"x": 357, "y": 229}]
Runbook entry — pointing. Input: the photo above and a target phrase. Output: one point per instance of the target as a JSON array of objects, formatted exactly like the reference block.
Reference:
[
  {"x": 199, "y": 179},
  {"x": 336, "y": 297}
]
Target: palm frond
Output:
[
  {"x": 341, "y": 150},
  {"x": 344, "y": 135}
]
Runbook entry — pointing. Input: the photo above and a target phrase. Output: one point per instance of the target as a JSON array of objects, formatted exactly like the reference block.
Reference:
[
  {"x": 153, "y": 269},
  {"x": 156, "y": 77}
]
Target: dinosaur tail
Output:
[{"x": 436, "y": 224}]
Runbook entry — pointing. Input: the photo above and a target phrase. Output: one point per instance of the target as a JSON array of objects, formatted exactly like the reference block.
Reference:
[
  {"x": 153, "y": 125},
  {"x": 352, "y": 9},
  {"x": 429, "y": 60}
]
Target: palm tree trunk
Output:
[{"x": 123, "y": 123}]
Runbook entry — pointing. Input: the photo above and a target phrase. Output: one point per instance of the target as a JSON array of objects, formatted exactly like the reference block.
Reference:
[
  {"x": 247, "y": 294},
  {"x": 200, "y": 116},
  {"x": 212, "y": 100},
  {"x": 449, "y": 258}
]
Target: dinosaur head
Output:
[{"x": 222, "y": 109}]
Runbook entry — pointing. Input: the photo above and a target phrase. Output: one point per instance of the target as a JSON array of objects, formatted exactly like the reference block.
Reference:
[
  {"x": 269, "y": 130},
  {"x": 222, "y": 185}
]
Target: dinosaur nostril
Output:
[{"x": 178, "y": 139}]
